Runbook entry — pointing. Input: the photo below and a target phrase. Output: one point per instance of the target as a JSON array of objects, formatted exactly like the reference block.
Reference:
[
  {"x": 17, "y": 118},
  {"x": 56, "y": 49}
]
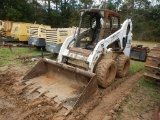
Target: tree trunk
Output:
[
  {"x": 132, "y": 5},
  {"x": 49, "y": 11},
  {"x": 65, "y": 5},
  {"x": 61, "y": 5},
  {"x": 56, "y": 5}
]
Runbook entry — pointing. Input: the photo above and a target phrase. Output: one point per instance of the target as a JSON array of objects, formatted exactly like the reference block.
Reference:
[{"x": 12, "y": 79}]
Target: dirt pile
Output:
[
  {"x": 41, "y": 109},
  {"x": 10, "y": 103}
]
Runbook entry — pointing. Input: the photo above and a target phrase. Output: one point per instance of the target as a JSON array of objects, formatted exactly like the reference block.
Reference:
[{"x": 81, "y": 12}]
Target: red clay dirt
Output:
[{"x": 15, "y": 106}]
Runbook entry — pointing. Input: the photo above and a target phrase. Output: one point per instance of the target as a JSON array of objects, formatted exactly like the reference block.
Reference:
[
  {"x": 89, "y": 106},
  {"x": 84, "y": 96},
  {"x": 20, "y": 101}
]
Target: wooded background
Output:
[{"x": 145, "y": 14}]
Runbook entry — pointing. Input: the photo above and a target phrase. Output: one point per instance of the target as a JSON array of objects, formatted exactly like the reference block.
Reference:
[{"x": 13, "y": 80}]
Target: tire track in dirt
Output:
[{"x": 109, "y": 100}]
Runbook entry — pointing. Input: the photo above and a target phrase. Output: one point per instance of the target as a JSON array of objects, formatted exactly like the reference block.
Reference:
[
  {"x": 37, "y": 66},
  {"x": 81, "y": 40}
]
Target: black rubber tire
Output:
[
  {"x": 123, "y": 65},
  {"x": 106, "y": 72}
]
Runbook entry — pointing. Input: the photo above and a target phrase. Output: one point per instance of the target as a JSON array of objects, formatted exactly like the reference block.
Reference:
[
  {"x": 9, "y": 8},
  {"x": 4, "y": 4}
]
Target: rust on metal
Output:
[
  {"x": 105, "y": 11},
  {"x": 138, "y": 52},
  {"x": 80, "y": 51},
  {"x": 107, "y": 17},
  {"x": 67, "y": 83}
]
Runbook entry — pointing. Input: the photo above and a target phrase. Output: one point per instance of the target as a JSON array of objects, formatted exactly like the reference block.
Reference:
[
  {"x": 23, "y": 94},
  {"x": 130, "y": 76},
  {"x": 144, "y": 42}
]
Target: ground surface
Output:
[{"x": 133, "y": 99}]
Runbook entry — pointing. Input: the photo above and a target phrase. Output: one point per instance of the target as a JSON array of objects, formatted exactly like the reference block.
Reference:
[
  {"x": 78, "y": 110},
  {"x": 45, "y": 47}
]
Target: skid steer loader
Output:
[{"x": 86, "y": 60}]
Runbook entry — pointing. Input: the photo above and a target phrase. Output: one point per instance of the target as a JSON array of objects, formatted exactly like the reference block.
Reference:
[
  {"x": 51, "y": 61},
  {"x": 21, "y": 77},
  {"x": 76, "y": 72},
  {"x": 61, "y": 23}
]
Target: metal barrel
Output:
[{"x": 66, "y": 84}]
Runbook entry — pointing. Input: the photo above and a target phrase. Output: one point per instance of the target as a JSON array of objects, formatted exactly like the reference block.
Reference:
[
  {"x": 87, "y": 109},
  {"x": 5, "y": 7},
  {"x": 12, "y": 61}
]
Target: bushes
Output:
[{"x": 145, "y": 21}]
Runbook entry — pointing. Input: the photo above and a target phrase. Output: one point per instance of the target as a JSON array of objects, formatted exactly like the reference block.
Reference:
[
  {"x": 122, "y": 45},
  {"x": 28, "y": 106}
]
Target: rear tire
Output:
[
  {"x": 106, "y": 72},
  {"x": 123, "y": 65}
]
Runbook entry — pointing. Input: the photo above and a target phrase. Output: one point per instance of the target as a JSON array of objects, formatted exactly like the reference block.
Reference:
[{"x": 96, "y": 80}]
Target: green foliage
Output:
[
  {"x": 111, "y": 6},
  {"x": 13, "y": 14},
  {"x": 86, "y": 3},
  {"x": 145, "y": 19},
  {"x": 16, "y": 10}
]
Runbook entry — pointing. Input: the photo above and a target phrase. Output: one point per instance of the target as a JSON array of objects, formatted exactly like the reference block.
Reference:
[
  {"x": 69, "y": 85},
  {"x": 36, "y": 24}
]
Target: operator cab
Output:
[{"x": 95, "y": 25}]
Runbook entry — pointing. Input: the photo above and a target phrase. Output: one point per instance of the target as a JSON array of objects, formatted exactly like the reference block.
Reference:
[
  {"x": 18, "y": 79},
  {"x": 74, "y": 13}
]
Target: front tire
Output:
[{"x": 106, "y": 72}]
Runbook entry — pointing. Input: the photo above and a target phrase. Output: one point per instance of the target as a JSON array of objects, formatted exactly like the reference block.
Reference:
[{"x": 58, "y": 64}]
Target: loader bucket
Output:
[{"x": 62, "y": 83}]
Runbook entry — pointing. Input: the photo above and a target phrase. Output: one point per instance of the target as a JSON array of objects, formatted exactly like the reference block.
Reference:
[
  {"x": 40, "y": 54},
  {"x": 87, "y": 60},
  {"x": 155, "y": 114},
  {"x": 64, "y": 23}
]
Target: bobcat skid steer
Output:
[{"x": 88, "y": 59}]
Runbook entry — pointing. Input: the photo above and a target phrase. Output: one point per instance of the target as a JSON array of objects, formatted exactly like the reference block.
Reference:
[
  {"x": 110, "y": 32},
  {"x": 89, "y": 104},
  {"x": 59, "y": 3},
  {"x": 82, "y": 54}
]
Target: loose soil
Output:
[{"x": 14, "y": 105}]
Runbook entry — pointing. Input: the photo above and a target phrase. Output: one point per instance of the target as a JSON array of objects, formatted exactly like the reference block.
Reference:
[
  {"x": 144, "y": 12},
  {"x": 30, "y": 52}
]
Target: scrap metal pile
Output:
[{"x": 152, "y": 66}]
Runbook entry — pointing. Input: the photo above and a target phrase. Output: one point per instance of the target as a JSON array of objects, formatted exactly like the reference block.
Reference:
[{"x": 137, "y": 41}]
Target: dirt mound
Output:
[
  {"x": 10, "y": 103},
  {"x": 41, "y": 109}
]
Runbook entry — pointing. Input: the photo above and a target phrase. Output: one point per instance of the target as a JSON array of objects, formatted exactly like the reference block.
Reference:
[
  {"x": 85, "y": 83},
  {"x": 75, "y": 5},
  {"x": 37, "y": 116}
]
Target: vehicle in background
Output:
[
  {"x": 55, "y": 38},
  {"x": 20, "y": 31},
  {"x": 1, "y": 26},
  {"x": 5, "y": 30},
  {"x": 37, "y": 35}
]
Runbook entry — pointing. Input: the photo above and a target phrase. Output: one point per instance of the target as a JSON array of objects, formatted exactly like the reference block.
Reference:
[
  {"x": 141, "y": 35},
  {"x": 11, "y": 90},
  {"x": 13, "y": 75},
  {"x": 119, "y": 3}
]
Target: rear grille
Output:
[
  {"x": 33, "y": 31},
  {"x": 51, "y": 35},
  {"x": 37, "y": 32},
  {"x": 63, "y": 33},
  {"x": 2, "y": 33}
]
